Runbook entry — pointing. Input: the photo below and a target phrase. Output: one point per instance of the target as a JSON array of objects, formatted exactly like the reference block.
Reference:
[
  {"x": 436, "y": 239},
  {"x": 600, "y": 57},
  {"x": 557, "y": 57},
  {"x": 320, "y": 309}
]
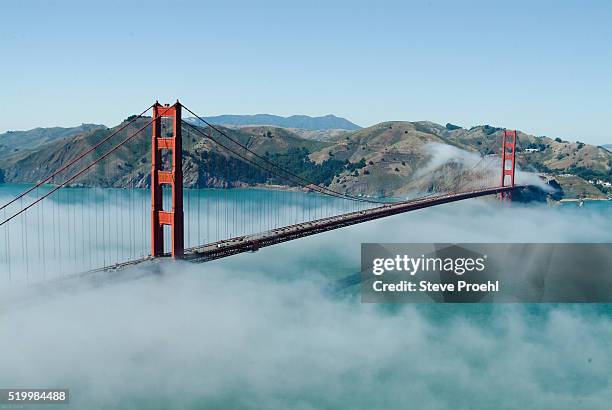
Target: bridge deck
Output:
[{"x": 253, "y": 242}]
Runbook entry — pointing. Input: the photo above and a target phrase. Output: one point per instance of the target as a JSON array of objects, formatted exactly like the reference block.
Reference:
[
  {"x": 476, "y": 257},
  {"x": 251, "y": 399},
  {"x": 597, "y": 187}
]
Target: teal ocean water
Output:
[{"x": 274, "y": 329}]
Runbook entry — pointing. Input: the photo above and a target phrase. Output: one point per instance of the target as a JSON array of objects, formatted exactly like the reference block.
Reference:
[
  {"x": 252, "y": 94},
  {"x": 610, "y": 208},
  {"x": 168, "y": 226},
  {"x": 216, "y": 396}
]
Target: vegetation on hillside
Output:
[
  {"x": 296, "y": 160},
  {"x": 217, "y": 170},
  {"x": 452, "y": 127}
]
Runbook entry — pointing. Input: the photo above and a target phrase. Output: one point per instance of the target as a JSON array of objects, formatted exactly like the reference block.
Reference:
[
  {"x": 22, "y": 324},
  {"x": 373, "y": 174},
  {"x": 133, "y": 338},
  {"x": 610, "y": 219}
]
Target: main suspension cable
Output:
[
  {"x": 85, "y": 169},
  {"x": 75, "y": 160}
]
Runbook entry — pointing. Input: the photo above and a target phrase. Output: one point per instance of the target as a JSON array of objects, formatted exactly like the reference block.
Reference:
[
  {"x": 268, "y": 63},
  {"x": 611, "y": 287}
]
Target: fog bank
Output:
[{"x": 269, "y": 330}]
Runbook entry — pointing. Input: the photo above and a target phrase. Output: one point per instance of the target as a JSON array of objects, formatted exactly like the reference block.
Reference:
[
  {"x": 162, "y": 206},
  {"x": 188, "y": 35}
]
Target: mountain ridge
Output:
[{"x": 326, "y": 122}]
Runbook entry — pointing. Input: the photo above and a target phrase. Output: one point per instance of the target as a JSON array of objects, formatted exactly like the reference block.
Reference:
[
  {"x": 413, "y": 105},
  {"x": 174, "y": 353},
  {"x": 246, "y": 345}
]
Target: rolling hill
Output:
[
  {"x": 205, "y": 163},
  {"x": 388, "y": 159},
  {"x": 395, "y": 152},
  {"x": 13, "y": 141}
]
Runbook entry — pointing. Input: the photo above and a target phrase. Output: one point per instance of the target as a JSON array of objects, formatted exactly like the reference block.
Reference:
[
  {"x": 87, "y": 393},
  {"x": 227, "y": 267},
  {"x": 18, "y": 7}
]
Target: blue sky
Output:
[{"x": 544, "y": 67}]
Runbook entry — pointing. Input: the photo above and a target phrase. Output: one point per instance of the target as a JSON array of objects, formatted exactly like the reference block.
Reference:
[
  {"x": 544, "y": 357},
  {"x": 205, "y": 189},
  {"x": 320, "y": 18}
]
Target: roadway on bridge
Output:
[{"x": 251, "y": 243}]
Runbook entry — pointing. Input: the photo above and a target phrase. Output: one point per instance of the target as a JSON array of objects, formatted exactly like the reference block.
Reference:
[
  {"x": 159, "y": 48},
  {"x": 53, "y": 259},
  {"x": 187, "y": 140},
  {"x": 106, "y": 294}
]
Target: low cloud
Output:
[{"x": 441, "y": 154}]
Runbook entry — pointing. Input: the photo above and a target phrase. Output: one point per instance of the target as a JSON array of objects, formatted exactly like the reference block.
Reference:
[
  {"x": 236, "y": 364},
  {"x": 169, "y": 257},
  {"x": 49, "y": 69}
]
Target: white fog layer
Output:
[{"x": 267, "y": 330}]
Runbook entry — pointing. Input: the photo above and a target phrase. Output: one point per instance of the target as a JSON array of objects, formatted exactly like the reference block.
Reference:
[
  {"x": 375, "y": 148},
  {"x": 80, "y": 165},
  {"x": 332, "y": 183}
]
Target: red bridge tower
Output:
[
  {"x": 508, "y": 162},
  {"x": 173, "y": 177}
]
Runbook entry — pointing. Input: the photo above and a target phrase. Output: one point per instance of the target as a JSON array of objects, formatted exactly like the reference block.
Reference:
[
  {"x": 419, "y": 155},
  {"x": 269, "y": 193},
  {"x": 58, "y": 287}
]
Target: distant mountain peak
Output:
[{"x": 327, "y": 122}]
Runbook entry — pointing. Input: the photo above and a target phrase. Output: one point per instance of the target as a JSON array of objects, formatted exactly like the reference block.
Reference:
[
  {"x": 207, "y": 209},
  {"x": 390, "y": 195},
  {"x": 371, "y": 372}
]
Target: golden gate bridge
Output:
[{"x": 62, "y": 224}]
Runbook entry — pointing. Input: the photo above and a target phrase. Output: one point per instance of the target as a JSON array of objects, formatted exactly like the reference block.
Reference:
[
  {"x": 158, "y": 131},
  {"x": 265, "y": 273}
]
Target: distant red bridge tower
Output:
[{"x": 508, "y": 162}]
